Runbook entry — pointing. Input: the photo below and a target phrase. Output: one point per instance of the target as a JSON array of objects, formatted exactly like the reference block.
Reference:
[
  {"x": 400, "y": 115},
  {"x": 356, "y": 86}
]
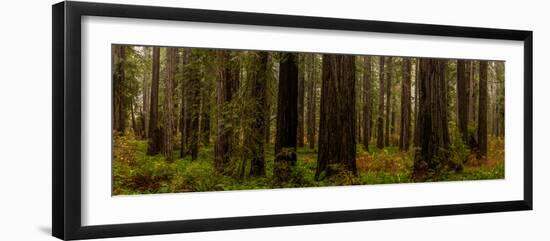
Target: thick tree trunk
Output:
[
  {"x": 432, "y": 122},
  {"x": 154, "y": 144},
  {"x": 367, "y": 107},
  {"x": 227, "y": 80},
  {"x": 337, "y": 124},
  {"x": 287, "y": 118},
  {"x": 119, "y": 101},
  {"x": 168, "y": 146},
  {"x": 463, "y": 97},
  {"x": 388, "y": 79},
  {"x": 482, "y": 115},
  {"x": 380, "y": 119},
  {"x": 258, "y": 96},
  {"x": 404, "y": 140}
]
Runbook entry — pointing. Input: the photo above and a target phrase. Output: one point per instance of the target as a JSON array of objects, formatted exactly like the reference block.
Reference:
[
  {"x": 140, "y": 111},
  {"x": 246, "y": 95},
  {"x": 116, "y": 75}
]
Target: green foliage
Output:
[{"x": 142, "y": 174}]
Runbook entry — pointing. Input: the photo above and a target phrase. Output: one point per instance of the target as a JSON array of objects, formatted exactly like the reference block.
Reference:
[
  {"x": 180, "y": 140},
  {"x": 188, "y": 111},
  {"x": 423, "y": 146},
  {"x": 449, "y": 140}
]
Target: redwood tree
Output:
[
  {"x": 482, "y": 115},
  {"x": 337, "y": 124},
  {"x": 367, "y": 108},
  {"x": 301, "y": 92},
  {"x": 258, "y": 97},
  {"x": 167, "y": 147},
  {"x": 192, "y": 102},
  {"x": 155, "y": 137},
  {"x": 227, "y": 80},
  {"x": 463, "y": 97},
  {"x": 432, "y": 119},
  {"x": 118, "y": 59},
  {"x": 287, "y": 117},
  {"x": 388, "y": 79},
  {"x": 404, "y": 140},
  {"x": 311, "y": 101},
  {"x": 380, "y": 119}
]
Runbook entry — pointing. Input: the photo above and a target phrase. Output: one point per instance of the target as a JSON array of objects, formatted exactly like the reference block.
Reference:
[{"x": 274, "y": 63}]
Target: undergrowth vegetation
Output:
[{"x": 134, "y": 172}]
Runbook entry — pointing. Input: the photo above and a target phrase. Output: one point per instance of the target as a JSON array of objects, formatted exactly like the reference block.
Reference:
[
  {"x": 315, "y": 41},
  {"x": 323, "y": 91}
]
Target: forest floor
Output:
[{"x": 136, "y": 173}]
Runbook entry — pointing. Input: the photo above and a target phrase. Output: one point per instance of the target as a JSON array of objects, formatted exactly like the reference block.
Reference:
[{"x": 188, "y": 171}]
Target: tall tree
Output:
[
  {"x": 153, "y": 146},
  {"x": 463, "y": 97},
  {"x": 301, "y": 92},
  {"x": 258, "y": 97},
  {"x": 388, "y": 80},
  {"x": 474, "y": 90},
  {"x": 482, "y": 115},
  {"x": 432, "y": 122},
  {"x": 119, "y": 96},
  {"x": 404, "y": 139},
  {"x": 417, "y": 81},
  {"x": 192, "y": 102},
  {"x": 287, "y": 117},
  {"x": 205, "y": 97},
  {"x": 227, "y": 81},
  {"x": 184, "y": 128},
  {"x": 311, "y": 101},
  {"x": 380, "y": 119},
  {"x": 499, "y": 69},
  {"x": 146, "y": 105},
  {"x": 168, "y": 146},
  {"x": 367, "y": 107},
  {"x": 337, "y": 124}
]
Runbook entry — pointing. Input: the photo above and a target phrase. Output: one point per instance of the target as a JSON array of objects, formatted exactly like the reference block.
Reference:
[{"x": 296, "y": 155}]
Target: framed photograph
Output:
[{"x": 170, "y": 120}]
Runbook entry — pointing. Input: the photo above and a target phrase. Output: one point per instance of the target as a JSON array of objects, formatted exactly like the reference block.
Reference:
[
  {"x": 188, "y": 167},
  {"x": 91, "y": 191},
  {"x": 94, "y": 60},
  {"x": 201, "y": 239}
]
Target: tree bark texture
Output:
[
  {"x": 404, "y": 140},
  {"x": 337, "y": 125},
  {"x": 432, "y": 122},
  {"x": 258, "y": 97},
  {"x": 380, "y": 119},
  {"x": 168, "y": 106},
  {"x": 388, "y": 88},
  {"x": 367, "y": 105},
  {"x": 155, "y": 137}
]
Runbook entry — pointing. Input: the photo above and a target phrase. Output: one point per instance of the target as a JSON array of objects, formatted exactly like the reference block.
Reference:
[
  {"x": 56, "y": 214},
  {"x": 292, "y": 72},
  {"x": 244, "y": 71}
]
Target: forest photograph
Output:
[{"x": 198, "y": 119}]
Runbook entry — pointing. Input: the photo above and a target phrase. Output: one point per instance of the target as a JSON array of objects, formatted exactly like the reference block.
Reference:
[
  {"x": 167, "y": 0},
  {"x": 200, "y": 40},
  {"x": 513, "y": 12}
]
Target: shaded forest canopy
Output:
[{"x": 192, "y": 119}]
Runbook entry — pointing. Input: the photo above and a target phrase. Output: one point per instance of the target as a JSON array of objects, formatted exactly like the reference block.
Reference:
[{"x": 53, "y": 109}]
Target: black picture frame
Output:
[{"x": 66, "y": 127}]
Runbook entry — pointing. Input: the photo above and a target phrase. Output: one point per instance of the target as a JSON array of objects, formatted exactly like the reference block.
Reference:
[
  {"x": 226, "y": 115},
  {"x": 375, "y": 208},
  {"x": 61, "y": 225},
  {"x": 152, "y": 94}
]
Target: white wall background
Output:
[{"x": 25, "y": 122}]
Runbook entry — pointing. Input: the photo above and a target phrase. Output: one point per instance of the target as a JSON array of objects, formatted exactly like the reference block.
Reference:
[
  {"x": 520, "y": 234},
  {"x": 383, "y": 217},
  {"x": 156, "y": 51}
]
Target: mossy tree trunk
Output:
[
  {"x": 192, "y": 103},
  {"x": 258, "y": 97},
  {"x": 227, "y": 83}
]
